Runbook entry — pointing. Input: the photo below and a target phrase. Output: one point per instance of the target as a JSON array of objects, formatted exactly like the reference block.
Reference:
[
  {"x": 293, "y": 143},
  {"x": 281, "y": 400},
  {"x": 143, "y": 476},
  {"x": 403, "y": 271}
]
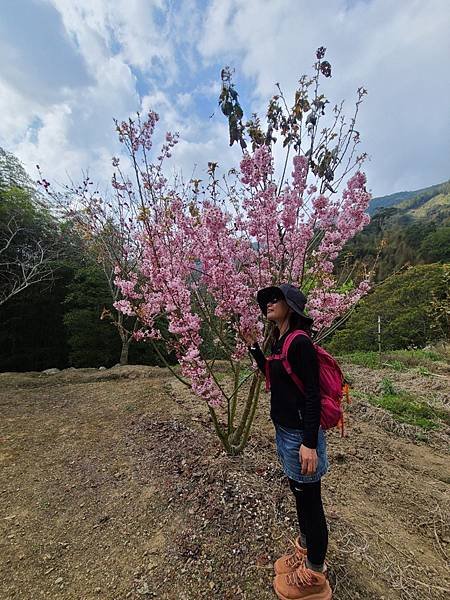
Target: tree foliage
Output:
[
  {"x": 29, "y": 242},
  {"x": 91, "y": 335},
  {"x": 52, "y": 319},
  {"x": 32, "y": 332},
  {"x": 93, "y": 341}
]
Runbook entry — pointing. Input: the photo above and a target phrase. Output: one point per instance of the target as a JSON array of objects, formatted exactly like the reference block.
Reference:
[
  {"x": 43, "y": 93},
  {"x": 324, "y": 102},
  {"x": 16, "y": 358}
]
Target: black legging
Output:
[{"x": 311, "y": 519}]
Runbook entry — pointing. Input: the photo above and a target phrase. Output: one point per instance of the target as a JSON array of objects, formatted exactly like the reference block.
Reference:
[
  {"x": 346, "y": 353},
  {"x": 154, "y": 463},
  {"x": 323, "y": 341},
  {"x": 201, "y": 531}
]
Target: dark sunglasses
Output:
[{"x": 273, "y": 301}]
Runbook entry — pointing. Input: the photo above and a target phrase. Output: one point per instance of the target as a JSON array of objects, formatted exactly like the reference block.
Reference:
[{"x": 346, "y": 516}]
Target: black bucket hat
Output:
[{"x": 294, "y": 298}]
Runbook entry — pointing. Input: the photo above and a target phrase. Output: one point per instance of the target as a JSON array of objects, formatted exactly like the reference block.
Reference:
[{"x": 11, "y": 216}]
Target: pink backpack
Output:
[{"x": 331, "y": 381}]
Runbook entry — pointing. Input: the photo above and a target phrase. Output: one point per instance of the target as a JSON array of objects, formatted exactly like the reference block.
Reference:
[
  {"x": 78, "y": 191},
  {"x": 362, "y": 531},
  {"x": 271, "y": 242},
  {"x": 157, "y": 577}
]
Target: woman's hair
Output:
[{"x": 296, "y": 321}]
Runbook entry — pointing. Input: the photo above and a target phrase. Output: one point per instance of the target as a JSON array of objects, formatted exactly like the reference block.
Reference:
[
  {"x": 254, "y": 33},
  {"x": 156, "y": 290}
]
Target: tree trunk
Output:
[{"x": 124, "y": 352}]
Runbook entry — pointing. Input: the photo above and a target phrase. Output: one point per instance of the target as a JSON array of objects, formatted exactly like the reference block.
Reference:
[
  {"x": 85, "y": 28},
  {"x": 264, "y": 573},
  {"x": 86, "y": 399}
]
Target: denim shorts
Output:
[{"x": 288, "y": 446}]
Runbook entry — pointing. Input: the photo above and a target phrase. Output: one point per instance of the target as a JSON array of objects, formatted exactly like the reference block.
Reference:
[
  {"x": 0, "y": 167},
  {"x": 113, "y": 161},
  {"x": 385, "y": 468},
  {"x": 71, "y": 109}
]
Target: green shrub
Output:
[
  {"x": 387, "y": 387},
  {"x": 396, "y": 365}
]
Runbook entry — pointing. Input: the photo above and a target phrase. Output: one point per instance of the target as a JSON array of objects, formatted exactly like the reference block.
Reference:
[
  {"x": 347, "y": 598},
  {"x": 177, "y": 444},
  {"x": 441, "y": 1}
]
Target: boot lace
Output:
[
  {"x": 302, "y": 577},
  {"x": 296, "y": 558}
]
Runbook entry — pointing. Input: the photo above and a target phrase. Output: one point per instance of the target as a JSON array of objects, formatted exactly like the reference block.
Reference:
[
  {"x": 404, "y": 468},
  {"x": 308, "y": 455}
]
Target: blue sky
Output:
[{"x": 68, "y": 67}]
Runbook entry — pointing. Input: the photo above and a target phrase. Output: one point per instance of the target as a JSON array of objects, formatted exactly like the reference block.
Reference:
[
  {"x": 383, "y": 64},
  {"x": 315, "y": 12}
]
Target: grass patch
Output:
[
  {"x": 408, "y": 409},
  {"x": 414, "y": 358},
  {"x": 396, "y": 365},
  {"x": 245, "y": 373},
  {"x": 424, "y": 371},
  {"x": 398, "y": 360},
  {"x": 364, "y": 359}
]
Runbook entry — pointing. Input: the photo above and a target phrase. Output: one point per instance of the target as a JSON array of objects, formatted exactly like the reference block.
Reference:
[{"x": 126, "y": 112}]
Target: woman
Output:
[{"x": 301, "y": 443}]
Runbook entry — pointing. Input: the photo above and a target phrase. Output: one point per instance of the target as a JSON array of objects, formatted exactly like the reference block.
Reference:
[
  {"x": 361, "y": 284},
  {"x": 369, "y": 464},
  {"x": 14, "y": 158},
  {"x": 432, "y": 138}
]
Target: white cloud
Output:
[
  {"x": 15, "y": 122},
  {"x": 76, "y": 130},
  {"x": 397, "y": 50},
  {"x": 78, "y": 134},
  {"x": 127, "y": 27},
  {"x": 167, "y": 52},
  {"x": 184, "y": 99}
]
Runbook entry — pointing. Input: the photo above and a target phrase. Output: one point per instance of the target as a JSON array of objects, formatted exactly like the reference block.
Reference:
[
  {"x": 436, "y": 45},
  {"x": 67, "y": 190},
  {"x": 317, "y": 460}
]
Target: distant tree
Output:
[
  {"x": 439, "y": 308},
  {"x": 32, "y": 333},
  {"x": 92, "y": 341},
  {"x": 13, "y": 175}
]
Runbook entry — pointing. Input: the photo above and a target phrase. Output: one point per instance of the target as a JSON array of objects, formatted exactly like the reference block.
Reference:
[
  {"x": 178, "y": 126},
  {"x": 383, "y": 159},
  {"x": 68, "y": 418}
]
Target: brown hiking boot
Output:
[
  {"x": 302, "y": 584},
  {"x": 290, "y": 562}
]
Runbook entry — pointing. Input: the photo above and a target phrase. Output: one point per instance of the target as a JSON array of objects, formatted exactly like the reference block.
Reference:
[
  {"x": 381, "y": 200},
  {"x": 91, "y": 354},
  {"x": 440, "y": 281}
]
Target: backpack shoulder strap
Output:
[
  {"x": 286, "y": 364},
  {"x": 284, "y": 359},
  {"x": 289, "y": 339}
]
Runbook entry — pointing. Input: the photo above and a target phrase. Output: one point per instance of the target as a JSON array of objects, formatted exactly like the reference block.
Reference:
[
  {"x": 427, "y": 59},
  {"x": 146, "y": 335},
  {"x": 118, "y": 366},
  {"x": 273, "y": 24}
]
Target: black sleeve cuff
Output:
[
  {"x": 258, "y": 355},
  {"x": 310, "y": 439}
]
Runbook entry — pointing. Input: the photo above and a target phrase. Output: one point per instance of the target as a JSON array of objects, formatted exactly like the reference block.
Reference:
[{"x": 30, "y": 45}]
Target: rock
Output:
[
  {"x": 51, "y": 371},
  {"x": 59, "y": 580},
  {"x": 144, "y": 590},
  {"x": 102, "y": 368}
]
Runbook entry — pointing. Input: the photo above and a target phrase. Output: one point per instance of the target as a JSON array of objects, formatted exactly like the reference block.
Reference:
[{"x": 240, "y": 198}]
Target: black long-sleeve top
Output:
[{"x": 289, "y": 407}]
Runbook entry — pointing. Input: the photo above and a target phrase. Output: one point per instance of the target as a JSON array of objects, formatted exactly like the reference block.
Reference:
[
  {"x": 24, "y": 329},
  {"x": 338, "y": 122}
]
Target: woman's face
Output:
[{"x": 277, "y": 310}]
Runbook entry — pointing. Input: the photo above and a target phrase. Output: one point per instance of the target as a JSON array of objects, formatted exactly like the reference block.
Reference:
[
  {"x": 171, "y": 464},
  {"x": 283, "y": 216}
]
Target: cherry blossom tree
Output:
[
  {"x": 104, "y": 225},
  {"x": 203, "y": 251}
]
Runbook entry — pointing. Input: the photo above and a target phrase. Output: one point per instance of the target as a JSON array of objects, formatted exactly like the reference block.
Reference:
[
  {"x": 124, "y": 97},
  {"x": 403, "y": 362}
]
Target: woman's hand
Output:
[
  {"x": 308, "y": 460},
  {"x": 250, "y": 340}
]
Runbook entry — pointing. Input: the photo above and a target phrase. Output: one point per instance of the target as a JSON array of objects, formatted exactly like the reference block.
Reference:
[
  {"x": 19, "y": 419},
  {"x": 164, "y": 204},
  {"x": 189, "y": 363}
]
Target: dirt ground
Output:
[{"x": 114, "y": 487}]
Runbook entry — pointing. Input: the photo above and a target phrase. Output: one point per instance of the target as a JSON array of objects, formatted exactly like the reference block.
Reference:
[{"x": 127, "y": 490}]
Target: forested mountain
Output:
[
  {"x": 419, "y": 203},
  {"x": 407, "y": 243},
  {"x": 404, "y": 231},
  {"x": 414, "y": 309}
]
